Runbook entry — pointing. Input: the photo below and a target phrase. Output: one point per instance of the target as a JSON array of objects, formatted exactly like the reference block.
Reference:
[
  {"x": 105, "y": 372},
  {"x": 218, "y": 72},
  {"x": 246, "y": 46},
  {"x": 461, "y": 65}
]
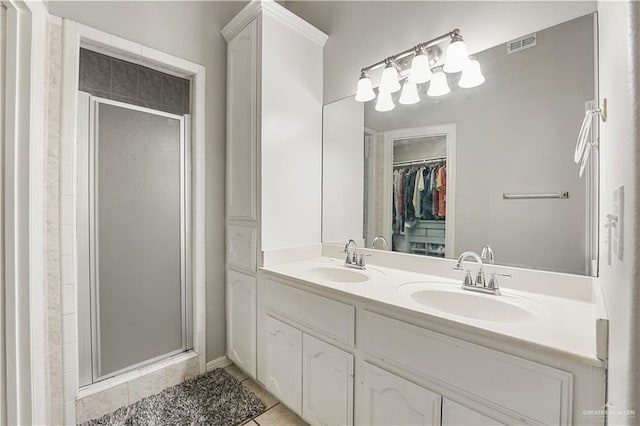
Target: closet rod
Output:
[{"x": 423, "y": 161}]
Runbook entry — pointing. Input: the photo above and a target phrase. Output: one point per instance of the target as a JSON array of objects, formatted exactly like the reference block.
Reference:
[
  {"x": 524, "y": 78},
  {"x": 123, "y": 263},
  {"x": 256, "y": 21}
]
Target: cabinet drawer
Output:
[
  {"x": 517, "y": 387},
  {"x": 335, "y": 320}
]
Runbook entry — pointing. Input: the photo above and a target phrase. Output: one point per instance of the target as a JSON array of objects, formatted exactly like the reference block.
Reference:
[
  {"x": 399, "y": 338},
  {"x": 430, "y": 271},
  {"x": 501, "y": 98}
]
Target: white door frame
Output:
[
  {"x": 23, "y": 214},
  {"x": 449, "y": 131},
  {"x": 76, "y": 35}
]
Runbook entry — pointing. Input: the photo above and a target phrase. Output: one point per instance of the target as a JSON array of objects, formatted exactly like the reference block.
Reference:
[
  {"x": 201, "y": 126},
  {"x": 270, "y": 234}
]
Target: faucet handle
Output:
[
  {"x": 493, "y": 281},
  {"x": 468, "y": 281},
  {"x": 360, "y": 259}
]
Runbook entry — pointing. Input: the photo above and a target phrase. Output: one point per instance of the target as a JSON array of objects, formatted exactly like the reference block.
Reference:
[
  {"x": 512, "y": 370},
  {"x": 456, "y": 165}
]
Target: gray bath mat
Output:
[{"x": 214, "y": 398}]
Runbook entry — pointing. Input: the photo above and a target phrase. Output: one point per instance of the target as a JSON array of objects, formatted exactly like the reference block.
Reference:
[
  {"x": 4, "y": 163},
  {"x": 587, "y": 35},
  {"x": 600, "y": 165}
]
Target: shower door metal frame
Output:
[{"x": 90, "y": 362}]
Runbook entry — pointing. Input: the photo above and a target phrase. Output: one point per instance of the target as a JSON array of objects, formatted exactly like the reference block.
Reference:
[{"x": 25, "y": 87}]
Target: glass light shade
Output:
[
  {"x": 457, "y": 57},
  {"x": 365, "y": 91},
  {"x": 420, "y": 70},
  {"x": 389, "y": 82},
  {"x": 471, "y": 75},
  {"x": 384, "y": 103},
  {"x": 409, "y": 93},
  {"x": 438, "y": 85}
]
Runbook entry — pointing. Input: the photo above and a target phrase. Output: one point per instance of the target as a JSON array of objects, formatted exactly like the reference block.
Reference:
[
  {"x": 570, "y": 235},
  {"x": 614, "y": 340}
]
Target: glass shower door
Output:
[{"x": 137, "y": 237}]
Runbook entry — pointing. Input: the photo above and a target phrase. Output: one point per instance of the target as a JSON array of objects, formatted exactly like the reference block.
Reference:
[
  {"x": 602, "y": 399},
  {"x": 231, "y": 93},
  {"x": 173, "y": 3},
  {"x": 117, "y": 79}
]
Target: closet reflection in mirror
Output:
[{"x": 435, "y": 173}]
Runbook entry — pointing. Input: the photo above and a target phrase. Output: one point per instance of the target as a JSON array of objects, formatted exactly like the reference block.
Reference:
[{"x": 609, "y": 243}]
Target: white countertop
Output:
[{"x": 566, "y": 326}]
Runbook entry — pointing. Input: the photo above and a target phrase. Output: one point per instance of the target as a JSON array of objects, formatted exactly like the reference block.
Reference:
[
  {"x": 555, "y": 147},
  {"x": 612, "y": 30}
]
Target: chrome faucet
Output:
[
  {"x": 353, "y": 260},
  {"x": 480, "y": 285},
  {"x": 385, "y": 244}
]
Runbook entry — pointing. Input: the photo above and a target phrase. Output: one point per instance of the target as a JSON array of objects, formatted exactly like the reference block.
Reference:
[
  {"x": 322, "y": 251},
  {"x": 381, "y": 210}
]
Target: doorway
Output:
[{"x": 417, "y": 148}]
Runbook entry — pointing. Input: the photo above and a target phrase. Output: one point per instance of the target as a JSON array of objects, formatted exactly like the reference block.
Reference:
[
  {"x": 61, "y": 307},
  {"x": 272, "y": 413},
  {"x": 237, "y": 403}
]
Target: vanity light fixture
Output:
[
  {"x": 385, "y": 102},
  {"x": 439, "y": 85},
  {"x": 409, "y": 93},
  {"x": 420, "y": 71},
  {"x": 457, "y": 57},
  {"x": 471, "y": 75},
  {"x": 365, "y": 91},
  {"x": 389, "y": 82}
]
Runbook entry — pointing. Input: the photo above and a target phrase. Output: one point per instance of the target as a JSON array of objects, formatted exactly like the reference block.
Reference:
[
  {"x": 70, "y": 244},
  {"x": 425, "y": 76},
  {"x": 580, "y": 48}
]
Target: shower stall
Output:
[{"x": 133, "y": 214}]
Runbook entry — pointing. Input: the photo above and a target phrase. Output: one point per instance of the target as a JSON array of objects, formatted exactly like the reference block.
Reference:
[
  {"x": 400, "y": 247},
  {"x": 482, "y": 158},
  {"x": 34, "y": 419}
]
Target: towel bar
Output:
[{"x": 558, "y": 195}]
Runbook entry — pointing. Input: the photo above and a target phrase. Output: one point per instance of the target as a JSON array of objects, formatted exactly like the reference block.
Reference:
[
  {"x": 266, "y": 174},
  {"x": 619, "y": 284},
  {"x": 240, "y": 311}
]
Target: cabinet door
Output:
[
  {"x": 391, "y": 400},
  {"x": 283, "y": 375},
  {"x": 459, "y": 415},
  {"x": 327, "y": 377},
  {"x": 242, "y": 77},
  {"x": 241, "y": 321}
]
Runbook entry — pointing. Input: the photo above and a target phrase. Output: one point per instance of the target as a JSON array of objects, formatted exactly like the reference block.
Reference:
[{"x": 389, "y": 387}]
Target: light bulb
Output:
[
  {"x": 471, "y": 75},
  {"x": 389, "y": 82},
  {"x": 438, "y": 85},
  {"x": 384, "y": 103},
  {"x": 365, "y": 91},
  {"x": 409, "y": 93},
  {"x": 457, "y": 56},
  {"x": 420, "y": 70}
]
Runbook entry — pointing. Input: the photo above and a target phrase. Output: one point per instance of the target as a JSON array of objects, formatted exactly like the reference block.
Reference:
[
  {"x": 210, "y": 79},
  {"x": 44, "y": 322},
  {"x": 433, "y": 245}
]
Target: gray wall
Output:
[
  {"x": 189, "y": 30},
  {"x": 516, "y": 133},
  {"x": 363, "y": 32}
]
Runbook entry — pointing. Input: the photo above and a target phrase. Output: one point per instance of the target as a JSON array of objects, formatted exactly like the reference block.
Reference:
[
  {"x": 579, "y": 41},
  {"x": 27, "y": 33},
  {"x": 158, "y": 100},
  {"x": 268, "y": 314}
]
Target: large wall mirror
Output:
[{"x": 490, "y": 165}]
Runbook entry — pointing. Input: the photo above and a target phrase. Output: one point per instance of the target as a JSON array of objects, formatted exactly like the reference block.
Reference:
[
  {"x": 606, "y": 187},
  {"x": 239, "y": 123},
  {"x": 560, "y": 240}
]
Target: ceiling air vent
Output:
[{"x": 522, "y": 43}]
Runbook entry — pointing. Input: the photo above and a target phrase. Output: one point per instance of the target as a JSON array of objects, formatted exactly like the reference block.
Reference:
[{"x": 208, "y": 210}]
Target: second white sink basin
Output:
[
  {"x": 477, "y": 306},
  {"x": 339, "y": 274}
]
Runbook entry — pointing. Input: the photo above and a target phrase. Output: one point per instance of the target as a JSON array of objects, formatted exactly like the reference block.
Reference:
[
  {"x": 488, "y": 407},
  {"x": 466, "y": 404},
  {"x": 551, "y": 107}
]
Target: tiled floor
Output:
[{"x": 276, "y": 414}]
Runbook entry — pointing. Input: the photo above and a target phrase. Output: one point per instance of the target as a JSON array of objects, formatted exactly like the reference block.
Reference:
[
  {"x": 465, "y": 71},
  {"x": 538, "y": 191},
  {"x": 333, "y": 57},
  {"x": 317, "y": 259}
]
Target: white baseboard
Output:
[{"x": 221, "y": 362}]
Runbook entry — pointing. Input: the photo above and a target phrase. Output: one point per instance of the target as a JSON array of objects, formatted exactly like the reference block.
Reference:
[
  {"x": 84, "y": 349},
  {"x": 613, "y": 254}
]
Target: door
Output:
[
  {"x": 283, "y": 375},
  {"x": 241, "y": 320},
  {"x": 133, "y": 210},
  {"x": 327, "y": 377},
  {"x": 454, "y": 414},
  {"x": 391, "y": 400}
]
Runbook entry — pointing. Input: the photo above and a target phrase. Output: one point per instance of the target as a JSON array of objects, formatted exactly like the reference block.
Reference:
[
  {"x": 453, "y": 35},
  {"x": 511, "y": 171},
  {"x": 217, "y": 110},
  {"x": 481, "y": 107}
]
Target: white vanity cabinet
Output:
[
  {"x": 311, "y": 377},
  {"x": 295, "y": 354},
  {"x": 274, "y": 112},
  {"x": 510, "y": 388},
  {"x": 351, "y": 364}
]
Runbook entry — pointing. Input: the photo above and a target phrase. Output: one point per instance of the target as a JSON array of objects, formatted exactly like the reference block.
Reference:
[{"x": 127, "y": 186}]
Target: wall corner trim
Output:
[{"x": 273, "y": 9}]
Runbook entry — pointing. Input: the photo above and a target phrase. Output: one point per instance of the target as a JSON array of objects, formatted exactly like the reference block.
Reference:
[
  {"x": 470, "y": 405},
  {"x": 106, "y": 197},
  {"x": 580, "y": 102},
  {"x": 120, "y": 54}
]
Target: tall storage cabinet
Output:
[{"x": 274, "y": 154}]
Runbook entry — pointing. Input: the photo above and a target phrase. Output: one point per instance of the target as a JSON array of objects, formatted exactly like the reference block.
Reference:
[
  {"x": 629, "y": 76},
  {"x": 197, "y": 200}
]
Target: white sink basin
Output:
[
  {"x": 339, "y": 274},
  {"x": 477, "y": 306}
]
